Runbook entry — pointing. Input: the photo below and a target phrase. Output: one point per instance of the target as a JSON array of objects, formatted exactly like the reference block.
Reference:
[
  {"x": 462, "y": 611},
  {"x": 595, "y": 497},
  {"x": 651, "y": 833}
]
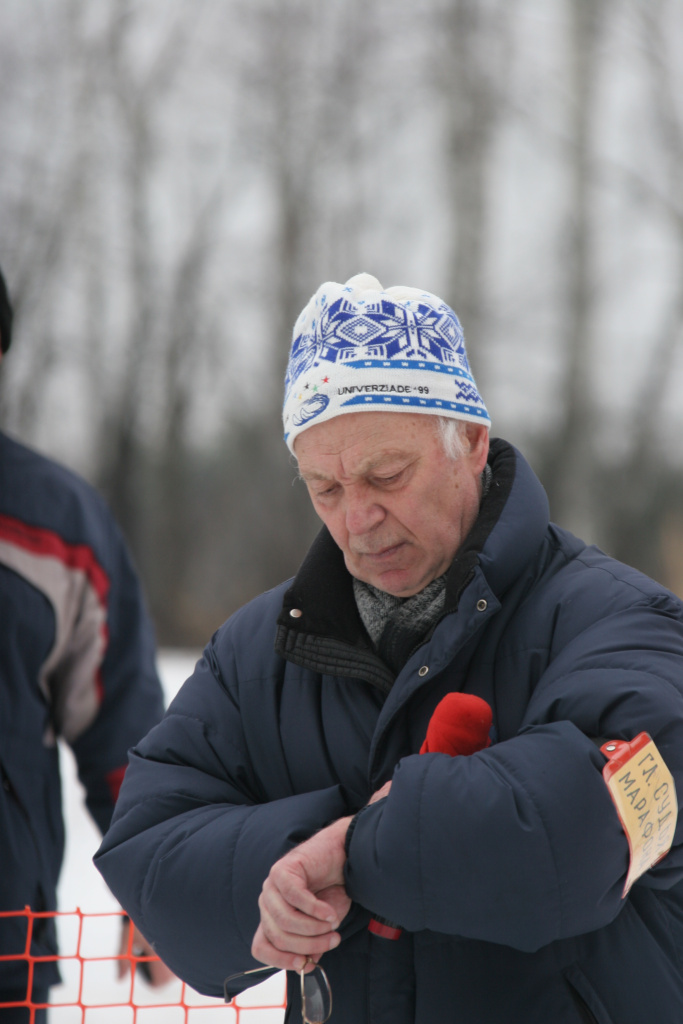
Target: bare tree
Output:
[
  {"x": 38, "y": 236},
  {"x": 472, "y": 74},
  {"x": 646, "y": 491},
  {"x": 570, "y": 469},
  {"x": 137, "y": 95}
]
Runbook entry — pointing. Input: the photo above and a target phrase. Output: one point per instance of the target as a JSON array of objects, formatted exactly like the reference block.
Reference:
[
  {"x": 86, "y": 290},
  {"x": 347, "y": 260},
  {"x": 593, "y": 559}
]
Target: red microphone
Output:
[{"x": 460, "y": 724}]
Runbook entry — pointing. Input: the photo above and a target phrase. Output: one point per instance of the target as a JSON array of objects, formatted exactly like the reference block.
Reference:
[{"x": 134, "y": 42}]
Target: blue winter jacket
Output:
[
  {"x": 77, "y": 662},
  {"x": 506, "y": 868}
]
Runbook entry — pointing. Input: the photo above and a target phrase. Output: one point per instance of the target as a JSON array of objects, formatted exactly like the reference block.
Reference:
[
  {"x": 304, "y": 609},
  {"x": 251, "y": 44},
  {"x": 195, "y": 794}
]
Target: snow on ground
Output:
[{"x": 82, "y": 887}]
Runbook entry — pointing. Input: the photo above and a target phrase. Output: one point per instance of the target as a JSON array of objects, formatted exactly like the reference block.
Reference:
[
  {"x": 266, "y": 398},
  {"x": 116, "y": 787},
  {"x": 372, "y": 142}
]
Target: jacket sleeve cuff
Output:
[{"x": 349, "y": 831}]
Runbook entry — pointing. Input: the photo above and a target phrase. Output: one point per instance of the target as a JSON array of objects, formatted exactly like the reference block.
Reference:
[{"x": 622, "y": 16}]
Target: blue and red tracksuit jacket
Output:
[{"x": 77, "y": 662}]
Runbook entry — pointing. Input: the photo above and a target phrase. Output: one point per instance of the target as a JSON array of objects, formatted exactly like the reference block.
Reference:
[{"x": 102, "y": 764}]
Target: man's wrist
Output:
[{"x": 342, "y": 825}]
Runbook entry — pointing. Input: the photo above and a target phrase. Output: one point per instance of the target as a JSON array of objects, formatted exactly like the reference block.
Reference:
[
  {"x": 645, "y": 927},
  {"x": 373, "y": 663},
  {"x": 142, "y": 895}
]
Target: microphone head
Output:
[{"x": 460, "y": 724}]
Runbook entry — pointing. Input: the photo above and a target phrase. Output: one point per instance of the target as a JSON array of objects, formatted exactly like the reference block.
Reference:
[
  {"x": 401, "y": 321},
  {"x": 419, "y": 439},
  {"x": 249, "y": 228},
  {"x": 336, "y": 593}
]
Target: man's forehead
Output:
[
  {"x": 361, "y": 441},
  {"x": 365, "y": 428},
  {"x": 360, "y": 465}
]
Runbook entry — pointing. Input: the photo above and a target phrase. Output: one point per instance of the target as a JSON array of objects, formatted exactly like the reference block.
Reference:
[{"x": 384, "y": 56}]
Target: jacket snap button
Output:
[
  {"x": 424, "y": 670},
  {"x": 482, "y": 605},
  {"x": 296, "y": 613}
]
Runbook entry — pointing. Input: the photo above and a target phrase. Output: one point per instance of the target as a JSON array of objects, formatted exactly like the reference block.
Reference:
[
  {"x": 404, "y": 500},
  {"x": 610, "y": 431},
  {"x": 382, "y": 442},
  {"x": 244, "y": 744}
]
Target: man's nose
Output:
[{"x": 363, "y": 512}]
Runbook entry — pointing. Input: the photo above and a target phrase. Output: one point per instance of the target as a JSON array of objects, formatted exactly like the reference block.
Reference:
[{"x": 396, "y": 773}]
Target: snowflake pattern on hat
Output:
[
  {"x": 383, "y": 330},
  {"x": 358, "y": 346}
]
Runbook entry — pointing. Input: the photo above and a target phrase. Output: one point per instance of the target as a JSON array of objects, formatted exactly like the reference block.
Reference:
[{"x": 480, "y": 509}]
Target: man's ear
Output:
[{"x": 478, "y": 438}]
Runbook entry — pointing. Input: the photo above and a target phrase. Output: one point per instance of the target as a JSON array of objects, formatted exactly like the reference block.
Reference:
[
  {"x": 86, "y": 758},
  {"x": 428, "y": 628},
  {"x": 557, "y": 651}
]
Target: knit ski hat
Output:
[
  {"x": 358, "y": 346},
  {"x": 5, "y": 315}
]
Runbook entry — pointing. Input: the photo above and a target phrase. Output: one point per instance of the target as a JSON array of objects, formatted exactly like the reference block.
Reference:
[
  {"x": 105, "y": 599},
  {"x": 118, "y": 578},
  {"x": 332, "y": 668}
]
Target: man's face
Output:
[{"x": 395, "y": 504}]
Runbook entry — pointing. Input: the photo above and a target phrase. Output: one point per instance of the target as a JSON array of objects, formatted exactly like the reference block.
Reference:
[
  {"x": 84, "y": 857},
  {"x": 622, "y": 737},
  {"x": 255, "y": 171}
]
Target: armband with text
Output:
[{"x": 644, "y": 795}]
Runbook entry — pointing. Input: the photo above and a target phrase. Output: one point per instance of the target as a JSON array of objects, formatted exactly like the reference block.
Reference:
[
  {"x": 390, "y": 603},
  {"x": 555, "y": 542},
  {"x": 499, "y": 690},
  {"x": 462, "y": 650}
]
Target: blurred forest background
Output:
[{"x": 178, "y": 176}]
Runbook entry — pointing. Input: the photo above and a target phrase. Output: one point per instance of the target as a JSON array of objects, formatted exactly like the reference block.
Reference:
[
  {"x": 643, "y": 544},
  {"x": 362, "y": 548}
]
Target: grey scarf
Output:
[{"x": 397, "y": 624}]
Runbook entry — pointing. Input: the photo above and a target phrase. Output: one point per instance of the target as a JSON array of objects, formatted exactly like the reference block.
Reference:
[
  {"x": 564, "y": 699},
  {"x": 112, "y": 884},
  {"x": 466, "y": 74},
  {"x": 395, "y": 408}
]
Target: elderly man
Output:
[{"x": 288, "y": 808}]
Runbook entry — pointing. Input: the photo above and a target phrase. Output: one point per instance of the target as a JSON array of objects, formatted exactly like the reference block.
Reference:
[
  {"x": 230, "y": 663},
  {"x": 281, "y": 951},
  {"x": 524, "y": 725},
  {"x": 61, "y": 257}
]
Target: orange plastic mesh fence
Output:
[{"x": 91, "y": 991}]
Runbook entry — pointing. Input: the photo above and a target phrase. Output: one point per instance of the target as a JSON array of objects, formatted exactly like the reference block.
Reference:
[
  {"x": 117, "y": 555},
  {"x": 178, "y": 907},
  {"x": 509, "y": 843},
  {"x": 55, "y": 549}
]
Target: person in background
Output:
[
  {"x": 77, "y": 662},
  {"x": 299, "y": 806}
]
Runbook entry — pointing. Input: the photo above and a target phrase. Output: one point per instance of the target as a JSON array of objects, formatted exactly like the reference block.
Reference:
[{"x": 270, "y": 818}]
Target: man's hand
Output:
[
  {"x": 303, "y": 901},
  {"x": 133, "y": 943}
]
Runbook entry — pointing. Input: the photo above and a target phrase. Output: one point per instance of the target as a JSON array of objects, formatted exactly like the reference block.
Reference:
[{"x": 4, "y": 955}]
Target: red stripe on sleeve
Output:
[{"x": 40, "y": 541}]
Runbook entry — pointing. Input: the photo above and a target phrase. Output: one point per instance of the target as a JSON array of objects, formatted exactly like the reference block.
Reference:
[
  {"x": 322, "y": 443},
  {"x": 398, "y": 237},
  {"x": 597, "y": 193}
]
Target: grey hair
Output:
[{"x": 453, "y": 436}]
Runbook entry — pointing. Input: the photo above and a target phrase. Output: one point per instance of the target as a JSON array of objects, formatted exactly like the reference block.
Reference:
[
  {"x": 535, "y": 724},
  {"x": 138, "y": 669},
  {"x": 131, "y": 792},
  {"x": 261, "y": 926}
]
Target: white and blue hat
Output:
[{"x": 358, "y": 346}]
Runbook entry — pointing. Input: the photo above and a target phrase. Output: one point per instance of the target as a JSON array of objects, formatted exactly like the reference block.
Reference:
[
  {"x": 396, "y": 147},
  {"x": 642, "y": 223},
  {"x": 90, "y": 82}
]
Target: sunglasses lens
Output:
[{"x": 316, "y": 997}]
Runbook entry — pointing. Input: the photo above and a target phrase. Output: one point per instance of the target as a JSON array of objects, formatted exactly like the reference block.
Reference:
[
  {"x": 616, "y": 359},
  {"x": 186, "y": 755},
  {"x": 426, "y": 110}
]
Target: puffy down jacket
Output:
[{"x": 506, "y": 868}]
